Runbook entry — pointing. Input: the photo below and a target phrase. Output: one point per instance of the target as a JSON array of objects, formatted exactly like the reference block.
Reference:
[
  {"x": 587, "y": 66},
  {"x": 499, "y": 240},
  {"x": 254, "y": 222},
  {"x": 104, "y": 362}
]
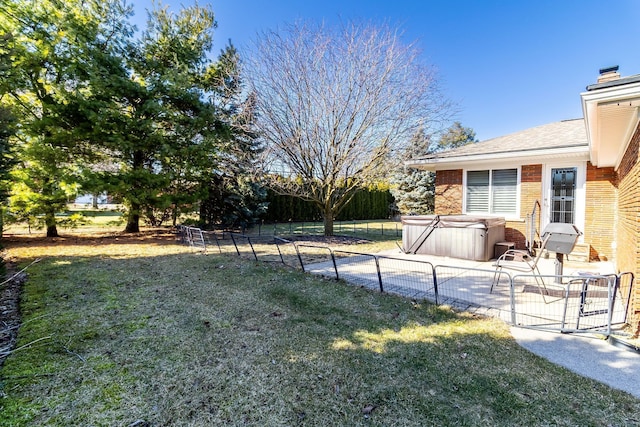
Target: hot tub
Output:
[{"x": 457, "y": 236}]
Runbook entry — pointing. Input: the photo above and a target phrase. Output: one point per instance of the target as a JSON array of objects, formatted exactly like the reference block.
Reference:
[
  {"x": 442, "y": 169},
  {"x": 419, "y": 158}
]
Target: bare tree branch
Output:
[{"x": 334, "y": 105}]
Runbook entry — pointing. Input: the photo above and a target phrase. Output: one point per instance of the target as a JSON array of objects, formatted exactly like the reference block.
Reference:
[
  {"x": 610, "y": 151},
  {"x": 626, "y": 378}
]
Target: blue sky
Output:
[{"x": 509, "y": 65}]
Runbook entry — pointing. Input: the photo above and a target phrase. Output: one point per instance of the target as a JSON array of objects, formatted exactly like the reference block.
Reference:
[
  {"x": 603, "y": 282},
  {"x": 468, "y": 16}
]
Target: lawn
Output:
[{"x": 123, "y": 331}]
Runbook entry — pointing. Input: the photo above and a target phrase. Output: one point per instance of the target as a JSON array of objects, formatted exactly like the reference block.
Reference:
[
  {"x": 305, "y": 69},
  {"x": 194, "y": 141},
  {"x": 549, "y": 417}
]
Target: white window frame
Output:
[{"x": 507, "y": 215}]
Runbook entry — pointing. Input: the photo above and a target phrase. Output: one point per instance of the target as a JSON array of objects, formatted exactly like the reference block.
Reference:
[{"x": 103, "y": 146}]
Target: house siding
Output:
[
  {"x": 448, "y": 192},
  {"x": 601, "y": 191},
  {"x": 600, "y": 213},
  {"x": 628, "y": 230},
  {"x": 530, "y": 192}
]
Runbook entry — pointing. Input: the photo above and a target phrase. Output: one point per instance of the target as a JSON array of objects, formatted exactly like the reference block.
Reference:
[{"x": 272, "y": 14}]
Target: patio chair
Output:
[{"x": 522, "y": 261}]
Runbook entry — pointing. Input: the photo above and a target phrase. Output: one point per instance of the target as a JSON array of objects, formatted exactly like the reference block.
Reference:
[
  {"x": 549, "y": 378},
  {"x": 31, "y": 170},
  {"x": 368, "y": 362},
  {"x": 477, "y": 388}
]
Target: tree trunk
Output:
[
  {"x": 174, "y": 215},
  {"x": 133, "y": 219},
  {"x": 328, "y": 221},
  {"x": 95, "y": 201},
  {"x": 50, "y": 222}
]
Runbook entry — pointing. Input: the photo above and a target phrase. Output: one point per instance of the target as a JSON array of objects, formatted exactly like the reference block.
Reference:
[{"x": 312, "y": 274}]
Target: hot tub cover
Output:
[{"x": 454, "y": 221}]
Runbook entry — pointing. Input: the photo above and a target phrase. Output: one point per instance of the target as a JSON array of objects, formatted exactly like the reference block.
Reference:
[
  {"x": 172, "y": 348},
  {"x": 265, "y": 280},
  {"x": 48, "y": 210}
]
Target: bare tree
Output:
[{"x": 334, "y": 106}]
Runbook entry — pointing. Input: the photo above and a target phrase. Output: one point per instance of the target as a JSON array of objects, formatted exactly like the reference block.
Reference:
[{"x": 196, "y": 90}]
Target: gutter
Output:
[{"x": 581, "y": 150}]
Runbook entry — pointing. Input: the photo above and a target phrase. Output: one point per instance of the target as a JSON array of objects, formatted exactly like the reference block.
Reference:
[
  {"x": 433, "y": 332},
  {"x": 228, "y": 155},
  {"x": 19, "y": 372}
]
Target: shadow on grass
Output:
[
  {"x": 93, "y": 238},
  {"x": 199, "y": 340}
]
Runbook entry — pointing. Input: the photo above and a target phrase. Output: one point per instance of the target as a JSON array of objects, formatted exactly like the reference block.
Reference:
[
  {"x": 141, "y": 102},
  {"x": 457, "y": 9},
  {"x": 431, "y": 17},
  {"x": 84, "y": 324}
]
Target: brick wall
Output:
[
  {"x": 449, "y": 198},
  {"x": 600, "y": 211},
  {"x": 628, "y": 229},
  {"x": 530, "y": 192},
  {"x": 448, "y": 192}
]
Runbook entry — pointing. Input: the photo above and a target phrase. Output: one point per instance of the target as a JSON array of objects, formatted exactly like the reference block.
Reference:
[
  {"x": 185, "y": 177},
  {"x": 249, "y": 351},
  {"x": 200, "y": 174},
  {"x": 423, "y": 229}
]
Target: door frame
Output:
[{"x": 580, "y": 198}]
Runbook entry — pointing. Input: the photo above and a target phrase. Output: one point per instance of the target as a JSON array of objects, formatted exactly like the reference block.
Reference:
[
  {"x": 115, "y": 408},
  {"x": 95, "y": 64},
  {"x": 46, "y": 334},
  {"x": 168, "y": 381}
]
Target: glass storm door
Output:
[{"x": 563, "y": 195}]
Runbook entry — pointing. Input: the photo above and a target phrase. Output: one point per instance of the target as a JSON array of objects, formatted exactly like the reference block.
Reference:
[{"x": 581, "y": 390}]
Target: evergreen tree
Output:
[
  {"x": 455, "y": 136},
  {"x": 167, "y": 116},
  {"x": 50, "y": 44},
  {"x": 230, "y": 196},
  {"x": 414, "y": 190},
  {"x": 150, "y": 120},
  {"x": 7, "y": 130}
]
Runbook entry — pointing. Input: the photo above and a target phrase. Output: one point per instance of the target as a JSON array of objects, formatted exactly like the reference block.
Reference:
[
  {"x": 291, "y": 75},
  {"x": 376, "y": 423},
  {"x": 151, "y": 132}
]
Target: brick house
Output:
[{"x": 584, "y": 171}]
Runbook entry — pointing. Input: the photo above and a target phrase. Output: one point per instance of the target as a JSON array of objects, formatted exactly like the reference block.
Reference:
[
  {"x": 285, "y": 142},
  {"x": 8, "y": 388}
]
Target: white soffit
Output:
[
  {"x": 509, "y": 159},
  {"x": 611, "y": 117}
]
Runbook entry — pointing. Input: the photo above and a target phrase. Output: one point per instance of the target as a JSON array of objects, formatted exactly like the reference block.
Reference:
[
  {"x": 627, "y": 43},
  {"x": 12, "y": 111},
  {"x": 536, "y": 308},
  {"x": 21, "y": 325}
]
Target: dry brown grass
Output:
[{"x": 139, "y": 329}]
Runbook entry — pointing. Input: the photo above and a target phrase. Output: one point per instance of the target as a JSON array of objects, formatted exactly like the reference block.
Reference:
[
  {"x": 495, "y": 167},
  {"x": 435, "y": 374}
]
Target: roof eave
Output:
[
  {"x": 523, "y": 157},
  {"x": 606, "y": 148}
]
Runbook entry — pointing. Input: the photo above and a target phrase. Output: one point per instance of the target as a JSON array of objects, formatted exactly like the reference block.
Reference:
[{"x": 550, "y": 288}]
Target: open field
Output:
[
  {"x": 75, "y": 220},
  {"x": 119, "y": 330}
]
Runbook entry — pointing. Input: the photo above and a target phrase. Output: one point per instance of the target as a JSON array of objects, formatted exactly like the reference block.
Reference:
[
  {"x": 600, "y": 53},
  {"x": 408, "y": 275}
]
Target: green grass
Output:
[
  {"x": 373, "y": 235},
  {"x": 78, "y": 220},
  {"x": 375, "y": 230},
  {"x": 176, "y": 338}
]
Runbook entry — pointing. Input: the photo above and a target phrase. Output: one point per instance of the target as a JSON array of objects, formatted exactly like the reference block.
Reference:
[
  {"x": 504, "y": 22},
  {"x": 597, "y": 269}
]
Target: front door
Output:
[{"x": 563, "y": 195}]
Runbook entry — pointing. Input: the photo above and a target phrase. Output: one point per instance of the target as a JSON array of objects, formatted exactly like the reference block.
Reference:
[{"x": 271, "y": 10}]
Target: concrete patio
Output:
[{"x": 467, "y": 285}]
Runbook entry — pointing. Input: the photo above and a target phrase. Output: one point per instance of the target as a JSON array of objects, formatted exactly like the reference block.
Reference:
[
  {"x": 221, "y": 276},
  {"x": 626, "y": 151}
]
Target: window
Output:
[{"x": 492, "y": 191}]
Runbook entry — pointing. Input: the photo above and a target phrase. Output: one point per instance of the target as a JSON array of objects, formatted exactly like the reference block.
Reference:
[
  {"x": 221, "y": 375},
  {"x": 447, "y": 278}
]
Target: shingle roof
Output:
[
  {"x": 617, "y": 82},
  {"x": 564, "y": 134}
]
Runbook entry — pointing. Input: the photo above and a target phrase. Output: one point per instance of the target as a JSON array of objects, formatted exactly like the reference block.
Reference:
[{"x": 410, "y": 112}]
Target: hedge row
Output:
[{"x": 371, "y": 203}]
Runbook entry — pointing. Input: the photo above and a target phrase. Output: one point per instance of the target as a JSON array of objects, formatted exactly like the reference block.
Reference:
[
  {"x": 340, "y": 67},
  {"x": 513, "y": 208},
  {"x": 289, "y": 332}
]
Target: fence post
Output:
[
  {"x": 299, "y": 257},
  {"x": 379, "y": 274},
  {"x": 275, "y": 241},
  {"x": 383, "y": 229},
  {"x": 234, "y": 243},
  {"x": 335, "y": 266},
  {"x": 216, "y": 239},
  {"x": 631, "y": 282},
  {"x": 610, "y": 295},
  {"x": 435, "y": 283},
  {"x": 252, "y": 249},
  {"x": 512, "y": 296}
]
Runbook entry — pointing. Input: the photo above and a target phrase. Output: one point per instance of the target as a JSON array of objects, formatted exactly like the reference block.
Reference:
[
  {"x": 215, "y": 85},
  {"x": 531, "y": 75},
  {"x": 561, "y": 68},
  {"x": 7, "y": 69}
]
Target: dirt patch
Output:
[
  {"x": 159, "y": 235},
  {"x": 9, "y": 310}
]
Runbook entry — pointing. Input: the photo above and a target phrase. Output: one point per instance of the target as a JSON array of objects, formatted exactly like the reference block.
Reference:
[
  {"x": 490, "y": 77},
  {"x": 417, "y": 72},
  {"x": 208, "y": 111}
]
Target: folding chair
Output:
[{"x": 523, "y": 261}]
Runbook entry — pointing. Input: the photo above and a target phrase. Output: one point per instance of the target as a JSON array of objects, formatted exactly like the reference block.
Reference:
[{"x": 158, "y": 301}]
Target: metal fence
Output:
[
  {"x": 577, "y": 303},
  {"x": 350, "y": 228}
]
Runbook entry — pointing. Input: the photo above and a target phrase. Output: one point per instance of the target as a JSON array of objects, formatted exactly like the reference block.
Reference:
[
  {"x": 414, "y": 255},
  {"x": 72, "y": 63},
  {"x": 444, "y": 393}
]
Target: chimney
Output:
[{"x": 608, "y": 74}]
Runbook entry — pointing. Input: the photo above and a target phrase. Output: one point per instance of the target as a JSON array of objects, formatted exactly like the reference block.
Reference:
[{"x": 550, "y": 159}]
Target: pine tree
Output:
[
  {"x": 413, "y": 189},
  {"x": 50, "y": 44}
]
